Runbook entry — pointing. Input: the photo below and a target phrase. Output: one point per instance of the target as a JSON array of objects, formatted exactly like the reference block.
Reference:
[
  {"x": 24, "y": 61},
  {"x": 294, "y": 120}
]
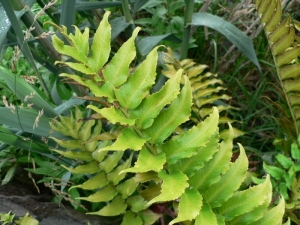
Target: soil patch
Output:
[{"x": 20, "y": 200}]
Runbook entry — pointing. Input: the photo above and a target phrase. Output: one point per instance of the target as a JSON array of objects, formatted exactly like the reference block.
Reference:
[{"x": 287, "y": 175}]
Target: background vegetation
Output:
[{"x": 251, "y": 95}]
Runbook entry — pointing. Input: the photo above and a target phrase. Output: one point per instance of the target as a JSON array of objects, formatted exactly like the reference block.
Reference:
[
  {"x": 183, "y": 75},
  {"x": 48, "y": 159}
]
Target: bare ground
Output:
[{"x": 20, "y": 200}]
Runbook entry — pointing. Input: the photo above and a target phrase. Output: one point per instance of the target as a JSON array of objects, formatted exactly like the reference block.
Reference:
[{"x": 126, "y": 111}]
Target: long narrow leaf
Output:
[
  {"x": 87, "y": 5},
  {"x": 237, "y": 37},
  {"x": 23, "y": 89},
  {"x": 117, "y": 26},
  {"x": 24, "y": 121},
  {"x": 23, "y": 43},
  {"x": 5, "y": 23},
  {"x": 67, "y": 14},
  {"x": 148, "y": 43}
]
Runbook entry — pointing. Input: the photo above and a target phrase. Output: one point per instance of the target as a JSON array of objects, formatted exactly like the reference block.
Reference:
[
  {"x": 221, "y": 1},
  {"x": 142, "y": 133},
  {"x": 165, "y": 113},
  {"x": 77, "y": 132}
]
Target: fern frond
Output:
[
  {"x": 285, "y": 50},
  {"x": 192, "y": 166},
  {"x": 208, "y": 89}
]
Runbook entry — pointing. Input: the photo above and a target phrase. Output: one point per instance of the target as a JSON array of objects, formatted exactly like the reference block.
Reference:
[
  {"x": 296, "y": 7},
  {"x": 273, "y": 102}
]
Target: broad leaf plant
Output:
[{"x": 141, "y": 160}]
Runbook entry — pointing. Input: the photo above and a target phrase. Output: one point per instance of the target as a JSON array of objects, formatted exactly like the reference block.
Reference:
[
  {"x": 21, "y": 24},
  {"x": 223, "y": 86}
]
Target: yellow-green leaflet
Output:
[{"x": 173, "y": 186}]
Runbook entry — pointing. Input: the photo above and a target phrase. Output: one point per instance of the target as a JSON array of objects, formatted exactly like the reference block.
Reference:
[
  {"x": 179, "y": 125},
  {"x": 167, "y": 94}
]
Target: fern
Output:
[
  {"x": 192, "y": 168},
  {"x": 285, "y": 50},
  {"x": 207, "y": 88}
]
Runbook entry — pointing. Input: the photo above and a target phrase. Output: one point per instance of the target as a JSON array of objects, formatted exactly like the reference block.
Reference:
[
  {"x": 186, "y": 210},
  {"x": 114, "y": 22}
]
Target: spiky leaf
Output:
[
  {"x": 97, "y": 181},
  {"x": 115, "y": 177},
  {"x": 131, "y": 94},
  {"x": 189, "y": 206},
  {"x": 187, "y": 143},
  {"x": 101, "y": 41},
  {"x": 219, "y": 192},
  {"x": 105, "y": 194},
  {"x": 178, "y": 112},
  {"x": 147, "y": 162},
  {"x": 127, "y": 188},
  {"x": 116, "y": 207},
  {"x": 173, "y": 186},
  {"x": 196, "y": 162},
  {"x": 111, "y": 161},
  {"x": 210, "y": 173},
  {"x": 113, "y": 114},
  {"x": 136, "y": 203},
  {"x": 117, "y": 71},
  {"x": 273, "y": 216},
  {"x": 206, "y": 216},
  {"x": 89, "y": 168},
  {"x": 128, "y": 139},
  {"x": 244, "y": 201},
  {"x": 153, "y": 104},
  {"x": 80, "y": 155},
  {"x": 130, "y": 218},
  {"x": 253, "y": 215}
]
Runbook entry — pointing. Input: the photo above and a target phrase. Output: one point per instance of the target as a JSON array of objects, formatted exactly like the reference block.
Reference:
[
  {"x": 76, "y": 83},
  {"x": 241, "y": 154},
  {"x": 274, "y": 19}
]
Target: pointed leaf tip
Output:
[{"x": 173, "y": 186}]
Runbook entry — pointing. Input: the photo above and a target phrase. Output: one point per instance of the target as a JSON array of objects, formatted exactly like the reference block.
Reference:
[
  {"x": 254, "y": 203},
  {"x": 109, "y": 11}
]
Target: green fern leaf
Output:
[
  {"x": 221, "y": 220},
  {"x": 70, "y": 144},
  {"x": 105, "y": 194},
  {"x": 127, "y": 139},
  {"x": 127, "y": 187},
  {"x": 189, "y": 206},
  {"x": 101, "y": 41},
  {"x": 111, "y": 161},
  {"x": 211, "y": 99},
  {"x": 144, "y": 177},
  {"x": 149, "y": 217},
  {"x": 86, "y": 130},
  {"x": 115, "y": 177},
  {"x": 116, "y": 207},
  {"x": 71, "y": 51},
  {"x": 147, "y": 162},
  {"x": 221, "y": 191},
  {"x": 130, "y": 219},
  {"x": 191, "y": 165},
  {"x": 206, "y": 87},
  {"x": 210, "y": 173},
  {"x": 153, "y": 104},
  {"x": 137, "y": 203},
  {"x": 187, "y": 143},
  {"x": 242, "y": 202},
  {"x": 173, "y": 186},
  {"x": 131, "y": 94},
  {"x": 99, "y": 155},
  {"x": 89, "y": 168},
  {"x": 113, "y": 115},
  {"x": 78, "y": 67},
  {"x": 206, "y": 216},
  {"x": 273, "y": 216},
  {"x": 106, "y": 90},
  {"x": 80, "y": 155},
  {"x": 81, "y": 41},
  {"x": 253, "y": 215},
  {"x": 178, "y": 112},
  {"x": 97, "y": 181},
  {"x": 116, "y": 72}
]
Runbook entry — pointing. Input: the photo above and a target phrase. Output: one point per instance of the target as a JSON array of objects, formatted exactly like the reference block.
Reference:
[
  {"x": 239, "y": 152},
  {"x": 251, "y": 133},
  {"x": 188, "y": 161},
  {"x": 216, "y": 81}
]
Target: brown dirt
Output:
[{"x": 19, "y": 200}]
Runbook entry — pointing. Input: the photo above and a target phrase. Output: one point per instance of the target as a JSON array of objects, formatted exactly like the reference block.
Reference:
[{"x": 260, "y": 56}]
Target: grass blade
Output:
[{"x": 233, "y": 34}]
